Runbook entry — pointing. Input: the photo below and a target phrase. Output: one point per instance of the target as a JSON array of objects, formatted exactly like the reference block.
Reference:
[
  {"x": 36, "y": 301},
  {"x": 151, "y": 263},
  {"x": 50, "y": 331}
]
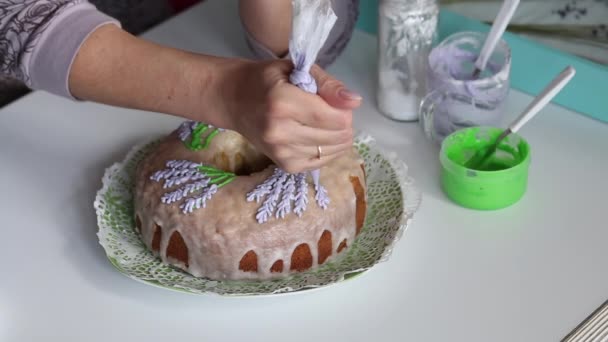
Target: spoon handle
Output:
[
  {"x": 544, "y": 98},
  {"x": 498, "y": 28}
]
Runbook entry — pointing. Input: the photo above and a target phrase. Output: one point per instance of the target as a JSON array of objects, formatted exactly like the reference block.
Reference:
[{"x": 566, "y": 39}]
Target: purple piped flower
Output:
[
  {"x": 185, "y": 129},
  {"x": 267, "y": 209},
  {"x": 285, "y": 193},
  {"x": 182, "y": 164},
  {"x": 284, "y": 206},
  {"x": 183, "y": 176},
  {"x": 199, "y": 201},
  {"x": 175, "y": 168},
  {"x": 321, "y": 196},
  {"x": 301, "y": 195},
  {"x": 264, "y": 189},
  {"x": 191, "y": 177},
  {"x": 177, "y": 195}
]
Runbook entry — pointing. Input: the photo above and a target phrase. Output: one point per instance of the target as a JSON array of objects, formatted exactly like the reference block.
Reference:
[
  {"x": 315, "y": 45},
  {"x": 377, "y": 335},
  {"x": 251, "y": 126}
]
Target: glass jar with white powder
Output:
[{"x": 406, "y": 32}]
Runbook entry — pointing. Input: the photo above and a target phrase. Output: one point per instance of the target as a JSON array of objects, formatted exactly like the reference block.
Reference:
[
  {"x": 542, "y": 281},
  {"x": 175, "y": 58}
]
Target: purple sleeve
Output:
[{"x": 40, "y": 38}]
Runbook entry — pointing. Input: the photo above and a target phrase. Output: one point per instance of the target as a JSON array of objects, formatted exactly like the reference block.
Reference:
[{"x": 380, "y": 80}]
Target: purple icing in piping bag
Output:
[
  {"x": 302, "y": 79},
  {"x": 312, "y": 23}
]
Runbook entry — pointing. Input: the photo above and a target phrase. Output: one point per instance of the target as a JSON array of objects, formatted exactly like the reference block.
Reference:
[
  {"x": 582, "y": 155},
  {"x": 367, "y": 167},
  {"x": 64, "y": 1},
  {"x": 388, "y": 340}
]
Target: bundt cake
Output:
[{"x": 208, "y": 203}]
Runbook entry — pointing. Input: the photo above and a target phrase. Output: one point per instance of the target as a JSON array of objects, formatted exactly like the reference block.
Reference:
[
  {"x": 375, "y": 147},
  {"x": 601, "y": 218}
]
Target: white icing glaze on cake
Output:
[{"x": 218, "y": 236}]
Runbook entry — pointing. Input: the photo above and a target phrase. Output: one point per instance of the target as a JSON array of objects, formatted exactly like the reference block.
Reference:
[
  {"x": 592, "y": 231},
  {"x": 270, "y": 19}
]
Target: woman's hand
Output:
[{"x": 284, "y": 122}]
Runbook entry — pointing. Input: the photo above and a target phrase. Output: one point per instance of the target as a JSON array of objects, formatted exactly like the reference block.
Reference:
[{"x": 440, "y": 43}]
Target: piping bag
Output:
[{"x": 312, "y": 23}]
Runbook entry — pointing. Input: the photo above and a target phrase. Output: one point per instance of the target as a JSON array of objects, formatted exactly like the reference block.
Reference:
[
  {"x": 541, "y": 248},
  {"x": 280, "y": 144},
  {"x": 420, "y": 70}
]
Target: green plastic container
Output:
[{"x": 500, "y": 183}]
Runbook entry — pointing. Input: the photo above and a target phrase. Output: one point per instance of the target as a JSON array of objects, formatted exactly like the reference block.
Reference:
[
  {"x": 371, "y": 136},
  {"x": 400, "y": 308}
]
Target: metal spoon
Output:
[{"x": 479, "y": 158}]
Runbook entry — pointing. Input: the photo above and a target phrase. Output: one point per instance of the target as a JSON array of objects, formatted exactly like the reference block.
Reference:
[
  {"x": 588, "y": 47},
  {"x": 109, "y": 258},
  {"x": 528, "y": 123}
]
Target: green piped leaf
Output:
[
  {"x": 217, "y": 176},
  {"x": 210, "y": 136},
  {"x": 197, "y": 140}
]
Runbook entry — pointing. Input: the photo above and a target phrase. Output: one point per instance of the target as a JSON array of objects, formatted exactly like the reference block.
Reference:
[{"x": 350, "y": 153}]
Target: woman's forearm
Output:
[
  {"x": 69, "y": 48},
  {"x": 116, "y": 68}
]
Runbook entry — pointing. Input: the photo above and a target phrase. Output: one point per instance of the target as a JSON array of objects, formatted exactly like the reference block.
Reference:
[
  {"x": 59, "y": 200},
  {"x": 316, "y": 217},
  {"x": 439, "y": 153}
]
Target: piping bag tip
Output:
[{"x": 315, "y": 176}]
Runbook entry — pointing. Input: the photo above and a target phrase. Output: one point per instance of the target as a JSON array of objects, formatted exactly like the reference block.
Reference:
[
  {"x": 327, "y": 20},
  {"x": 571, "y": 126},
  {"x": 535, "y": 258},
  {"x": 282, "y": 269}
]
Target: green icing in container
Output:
[{"x": 501, "y": 181}]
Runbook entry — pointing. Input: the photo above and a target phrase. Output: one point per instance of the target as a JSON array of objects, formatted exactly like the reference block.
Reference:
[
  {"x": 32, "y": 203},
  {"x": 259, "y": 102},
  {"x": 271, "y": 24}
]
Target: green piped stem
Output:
[
  {"x": 218, "y": 177},
  {"x": 214, "y": 173},
  {"x": 209, "y": 137},
  {"x": 196, "y": 142},
  {"x": 210, "y": 169},
  {"x": 222, "y": 180},
  {"x": 228, "y": 180}
]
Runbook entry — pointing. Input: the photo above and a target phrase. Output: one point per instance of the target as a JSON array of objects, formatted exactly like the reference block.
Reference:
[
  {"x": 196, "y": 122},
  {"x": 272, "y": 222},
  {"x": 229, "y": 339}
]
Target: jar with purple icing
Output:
[{"x": 454, "y": 98}]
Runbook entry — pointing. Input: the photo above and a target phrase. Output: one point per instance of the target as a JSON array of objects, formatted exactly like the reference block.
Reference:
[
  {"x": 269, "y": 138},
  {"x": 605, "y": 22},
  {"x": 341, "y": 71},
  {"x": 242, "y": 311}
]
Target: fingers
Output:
[
  {"x": 311, "y": 152},
  {"x": 316, "y": 164},
  {"x": 306, "y": 164},
  {"x": 294, "y": 147},
  {"x": 330, "y": 109},
  {"x": 312, "y": 111},
  {"x": 308, "y": 136},
  {"x": 294, "y": 159},
  {"x": 288, "y": 124},
  {"x": 333, "y": 91}
]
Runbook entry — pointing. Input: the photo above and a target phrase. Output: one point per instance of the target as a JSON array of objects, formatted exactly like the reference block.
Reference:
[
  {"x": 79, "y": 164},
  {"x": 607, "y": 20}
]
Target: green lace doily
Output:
[{"x": 392, "y": 201}]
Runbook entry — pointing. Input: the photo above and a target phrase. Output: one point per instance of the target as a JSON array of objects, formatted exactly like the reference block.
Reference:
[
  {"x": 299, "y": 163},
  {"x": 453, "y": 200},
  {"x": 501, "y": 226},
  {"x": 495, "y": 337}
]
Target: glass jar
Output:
[
  {"x": 406, "y": 32},
  {"x": 455, "y": 99}
]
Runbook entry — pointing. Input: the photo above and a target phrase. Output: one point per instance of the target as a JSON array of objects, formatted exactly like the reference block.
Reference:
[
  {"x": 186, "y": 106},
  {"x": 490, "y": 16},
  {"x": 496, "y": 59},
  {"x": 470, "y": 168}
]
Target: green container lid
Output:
[{"x": 504, "y": 178}]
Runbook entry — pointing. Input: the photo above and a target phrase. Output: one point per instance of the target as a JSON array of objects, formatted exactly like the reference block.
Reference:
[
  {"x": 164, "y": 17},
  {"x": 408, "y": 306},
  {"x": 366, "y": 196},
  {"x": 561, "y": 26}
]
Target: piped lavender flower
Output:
[
  {"x": 193, "y": 178},
  {"x": 301, "y": 195},
  {"x": 185, "y": 129},
  {"x": 268, "y": 207},
  {"x": 321, "y": 196},
  {"x": 177, "y": 195},
  {"x": 284, "y": 193},
  {"x": 177, "y": 172},
  {"x": 264, "y": 189},
  {"x": 199, "y": 201},
  {"x": 284, "y": 206}
]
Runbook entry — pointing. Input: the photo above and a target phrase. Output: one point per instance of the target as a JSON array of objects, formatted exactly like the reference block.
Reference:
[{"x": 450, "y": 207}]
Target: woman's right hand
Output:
[{"x": 281, "y": 120}]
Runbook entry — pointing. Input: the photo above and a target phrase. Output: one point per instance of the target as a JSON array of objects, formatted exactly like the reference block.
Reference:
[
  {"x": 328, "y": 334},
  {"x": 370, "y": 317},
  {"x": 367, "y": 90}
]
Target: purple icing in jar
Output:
[{"x": 454, "y": 99}]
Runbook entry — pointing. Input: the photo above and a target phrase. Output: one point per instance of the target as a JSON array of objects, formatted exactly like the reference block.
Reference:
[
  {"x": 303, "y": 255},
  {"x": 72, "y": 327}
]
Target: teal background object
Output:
[{"x": 534, "y": 65}]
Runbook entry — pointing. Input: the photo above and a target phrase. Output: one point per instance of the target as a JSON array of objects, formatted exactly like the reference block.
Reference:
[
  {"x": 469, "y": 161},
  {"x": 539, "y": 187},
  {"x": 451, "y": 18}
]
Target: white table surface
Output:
[{"x": 531, "y": 272}]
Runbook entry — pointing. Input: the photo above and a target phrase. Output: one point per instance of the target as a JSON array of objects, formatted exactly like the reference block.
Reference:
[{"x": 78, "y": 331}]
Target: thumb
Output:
[{"x": 333, "y": 91}]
